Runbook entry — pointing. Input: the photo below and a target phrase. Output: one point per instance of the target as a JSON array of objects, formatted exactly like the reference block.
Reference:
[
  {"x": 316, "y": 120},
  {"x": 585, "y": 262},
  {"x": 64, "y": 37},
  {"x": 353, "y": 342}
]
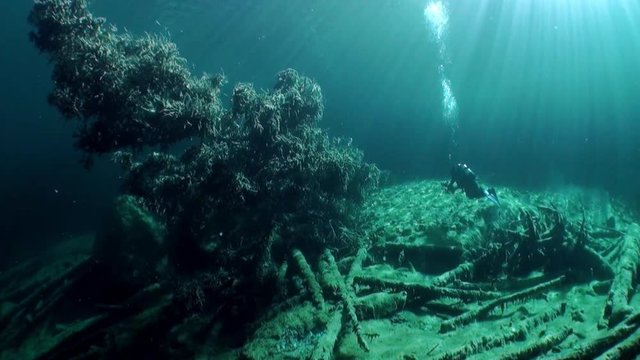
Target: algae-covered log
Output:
[
  {"x": 597, "y": 346},
  {"x": 481, "y": 312},
  {"x": 330, "y": 272},
  {"x": 313, "y": 286},
  {"x": 379, "y": 305},
  {"x": 33, "y": 309},
  {"x": 539, "y": 347},
  {"x": 599, "y": 265},
  {"x": 416, "y": 291},
  {"x": 626, "y": 349},
  {"x": 327, "y": 342},
  {"x": 463, "y": 271},
  {"x": 281, "y": 280},
  {"x": 617, "y": 305},
  {"x": 356, "y": 267},
  {"x": 518, "y": 332},
  {"x": 114, "y": 331}
]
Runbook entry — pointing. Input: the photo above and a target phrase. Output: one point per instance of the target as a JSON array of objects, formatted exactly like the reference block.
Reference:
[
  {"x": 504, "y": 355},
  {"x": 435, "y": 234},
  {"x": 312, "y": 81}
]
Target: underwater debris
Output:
[
  {"x": 326, "y": 344},
  {"x": 32, "y": 310},
  {"x": 331, "y": 274},
  {"x": 511, "y": 334},
  {"x": 310, "y": 279},
  {"x": 389, "y": 303},
  {"x": 423, "y": 293},
  {"x": 222, "y": 221},
  {"x": 463, "y": 271},
  {"x": 379, "y": 305},
  {"x": 376, "y": 282},
  {"x": 427, "y": 258},
  {"x": 617, "y": 305},
  {"x": 626, "y": 349},
  {"x": 330, "y": 321},
  {"x": 290, "y": 334},
  {"x": 481, "y": 312},
  {"x": 540, "y": 346},
  {"x": 142, "y": 315},
  {"x": 595, "y": 347},
  {"x": 356, "y": 267}
]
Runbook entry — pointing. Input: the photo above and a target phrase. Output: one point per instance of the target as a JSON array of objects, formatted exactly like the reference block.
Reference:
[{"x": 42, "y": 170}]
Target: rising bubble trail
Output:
[{"x": 437, "y": 19}]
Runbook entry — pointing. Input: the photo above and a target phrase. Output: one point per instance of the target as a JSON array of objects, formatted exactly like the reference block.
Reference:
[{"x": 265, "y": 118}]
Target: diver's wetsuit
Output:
[{"x": 463, "y": 178}]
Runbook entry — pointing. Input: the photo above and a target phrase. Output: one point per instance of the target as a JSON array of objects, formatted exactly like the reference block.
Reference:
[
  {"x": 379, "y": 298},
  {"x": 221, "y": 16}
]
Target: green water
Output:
[
  {"x": 254, "y": 239},
  {"x": 545, "y": 87},
  {"x": 546, "y": 91}
]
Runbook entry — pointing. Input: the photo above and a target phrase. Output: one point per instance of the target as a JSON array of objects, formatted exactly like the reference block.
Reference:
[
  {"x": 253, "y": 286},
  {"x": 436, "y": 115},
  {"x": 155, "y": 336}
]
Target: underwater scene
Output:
[{"x": 320, "y": 179}]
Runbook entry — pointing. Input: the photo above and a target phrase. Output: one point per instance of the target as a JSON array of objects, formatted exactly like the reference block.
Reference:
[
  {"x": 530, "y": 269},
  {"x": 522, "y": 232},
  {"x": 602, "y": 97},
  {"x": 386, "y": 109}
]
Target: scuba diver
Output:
[{"x": 462, "y": 177}]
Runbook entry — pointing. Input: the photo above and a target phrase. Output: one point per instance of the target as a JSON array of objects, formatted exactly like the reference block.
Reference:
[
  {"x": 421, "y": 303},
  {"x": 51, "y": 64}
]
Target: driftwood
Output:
[
  {"x": 356, "y": 267},
  {"x": 312, "y": 283},
  {"x": 379, "y": 305},
  {"x": 595, "y": 347},
  {"x": 17, "y": 282},
  {"x": 617, "y": 305},
  {"x": 481, "y": 312},
  {"x": 325, "y": 346},
  {"x": 463, "y": 271},
  {"x": 424, "y": 293},
  {"x": 113, "y": 329},
  {"x": 332, "y": 276},
  {"x": 29, "y": 313},
  {"x": 626, "y": 349},
  {"x": 597, "y": 263},
  {"x": 539, "y": 347},
  {"x": 519, "y": 332}
]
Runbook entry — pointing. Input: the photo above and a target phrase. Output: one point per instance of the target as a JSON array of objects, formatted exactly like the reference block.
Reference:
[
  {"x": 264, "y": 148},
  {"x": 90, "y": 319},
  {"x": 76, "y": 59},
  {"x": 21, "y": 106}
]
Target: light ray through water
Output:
[{"x": 437, "y": 19}]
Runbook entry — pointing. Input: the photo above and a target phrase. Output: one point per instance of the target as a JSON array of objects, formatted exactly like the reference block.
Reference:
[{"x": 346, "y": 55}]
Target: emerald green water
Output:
[{"x": 546, "y": 92}]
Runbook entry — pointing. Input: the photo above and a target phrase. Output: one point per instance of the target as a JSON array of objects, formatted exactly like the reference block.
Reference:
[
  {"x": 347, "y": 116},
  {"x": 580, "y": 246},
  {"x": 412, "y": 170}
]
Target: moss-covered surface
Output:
[
  {"x": 422, "y": 212},
  {"x": 423, "y": 218},
  {"x": 399, "y": 309}
]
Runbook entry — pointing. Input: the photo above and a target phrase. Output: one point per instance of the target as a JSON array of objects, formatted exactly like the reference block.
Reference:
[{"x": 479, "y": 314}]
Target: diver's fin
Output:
[{"x": 492, "y": 196}]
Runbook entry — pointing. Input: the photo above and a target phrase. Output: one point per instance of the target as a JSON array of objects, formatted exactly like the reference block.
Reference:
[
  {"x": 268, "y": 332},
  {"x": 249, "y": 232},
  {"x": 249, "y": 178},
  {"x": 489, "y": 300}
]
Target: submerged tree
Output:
[{"x": 256, "y": 180}]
